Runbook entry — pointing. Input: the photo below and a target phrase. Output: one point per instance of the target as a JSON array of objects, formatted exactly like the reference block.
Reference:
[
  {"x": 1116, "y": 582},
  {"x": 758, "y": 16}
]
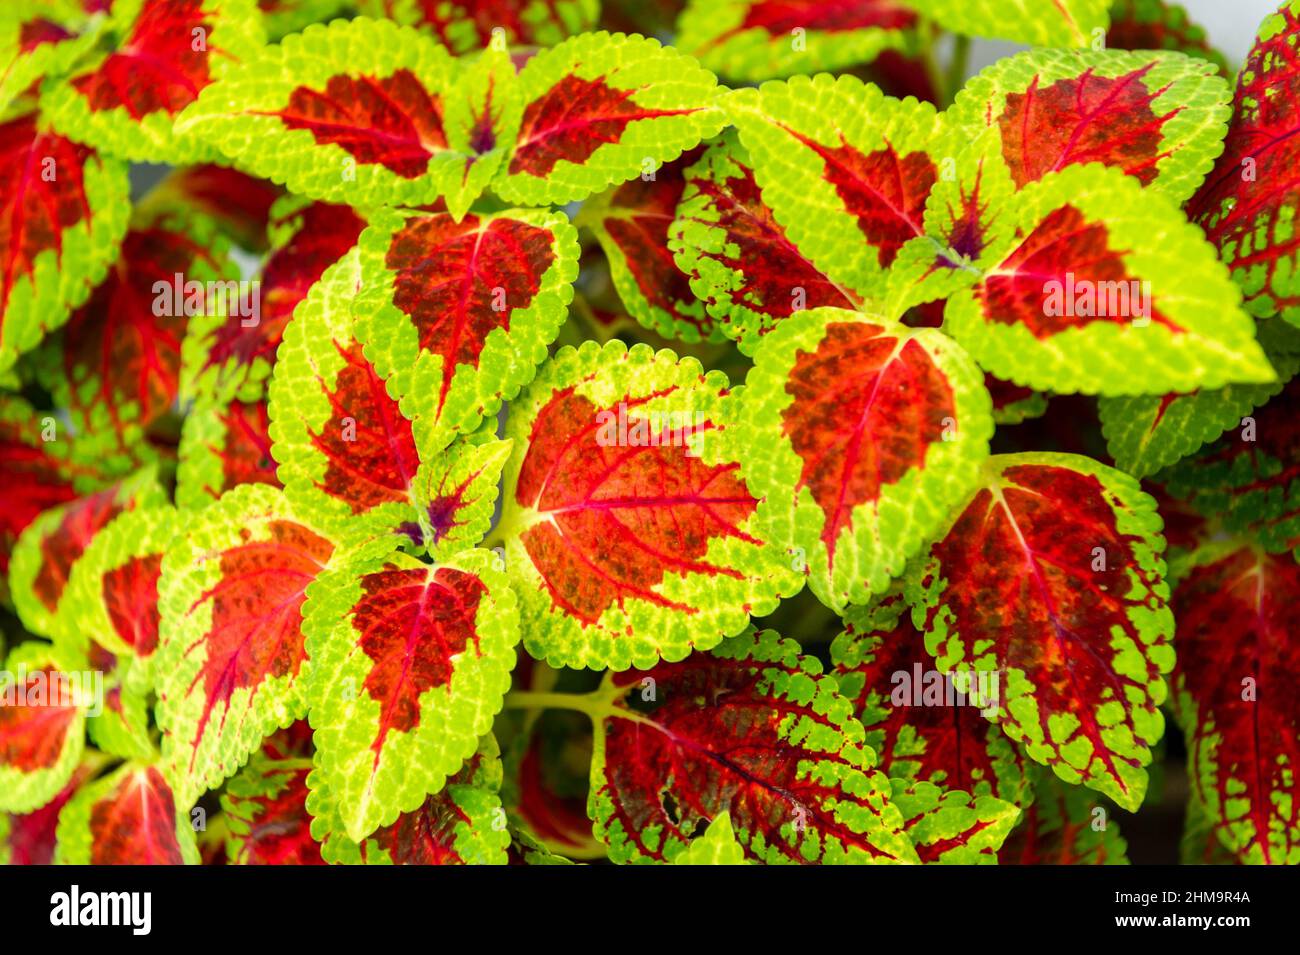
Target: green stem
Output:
[
  {"x": 956, "y": 77},
  {"x": 598, "y": 705}
]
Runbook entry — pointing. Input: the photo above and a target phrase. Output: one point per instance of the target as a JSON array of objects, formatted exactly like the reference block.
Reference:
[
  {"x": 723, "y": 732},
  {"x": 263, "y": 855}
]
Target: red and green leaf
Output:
[
  {"x": 1159, "y": 117},
  {"x": 1249, "y": 203},
  {"x": 753, "y": 40},
  {"x": 223, "y": 446},
  {"x": 49, "y": 549},
  {"x": 455, "y": 316},
  {"x": 631, "y": 222},
  {"x": 1238, "y": 657},
  {"x": 951, "y": 827},
  {"x": 126, "y": 100},
  {"x": 736, "y": 256},
  {"x": 265, "y": 805},
  {"x": 1052, "y": 577},
  {"x": 30, "y": 838},
  {"x": 410, "y": 663},
  {"x": 462, "y": 823},
  {"x": 601, "y": 109},
  {"x": 845, "y": 170},
  {"x": 1067, "y": 23},
  {"x": 752, "y": 729},
  {"x": 230, "y": 353},
  {"x": 35, "y": 44},
  {"x": 465, "y": 26},
  {"x": 63, "y": 212},
  {"x": 629, "y": 534},
  {"x": 239, "y": 204},
  {"x": 43, "y": 705},
  {"x": 1065, "y": 825},
  {"x": 1080, "y": 299},
  {"x": 230, "y": 664},
  {"x": 131, "y": 817},
  {"x": 873, "y": 432},
  {"x": 1160, "y": 25}
]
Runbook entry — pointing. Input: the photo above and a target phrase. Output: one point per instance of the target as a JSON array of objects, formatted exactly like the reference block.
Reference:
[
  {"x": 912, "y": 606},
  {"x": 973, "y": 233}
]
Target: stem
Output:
[
  {"x": 598, "y": 705},
  {"x": 956, "y": 77}
]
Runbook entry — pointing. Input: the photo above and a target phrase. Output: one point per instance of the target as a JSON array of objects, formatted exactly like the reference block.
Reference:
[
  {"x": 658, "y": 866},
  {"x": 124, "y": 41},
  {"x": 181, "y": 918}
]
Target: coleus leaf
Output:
[
  {"x": 229, "y": 352},
  {"x": 629, "y": 534},
  {"x": 737, "y": 257},
  {"x": 123, "y": 728},
  {"x": 232, "y": 592},
  {"x": 1145, "y": 434},
  {"x": 456, "y": 316},
  {"x": 64, "y": 210},
  {"x": 265, "y": 805},
  {"x": 48, "y": 550},
  {"x": 1248, "y": 204},
  {"x": 920, "y": 730},
  {"x": 1080, "y": 629},
  {"x": 717, "y": 846},
  {"x": 1159, "y": 117},
  {"x": 410, "y": 663},
  {"x": 464, "y": 26},
  {"x": 631, "y": 223},
  {"x": 872, "y": 433},
  {"x": 753, "y": 40},
  {"x": 1068, "y": 23},
  {"x": 112, "y": 592},
  {"x": 752, "y": 729},
  {"x": 463, "y": 823},
  {"x": 282, "y": 17},
  {"x": 42, "y": 725},
  {"x": 545, "y": 791},
  {"x": 1080, "y": 299},
  {"x": 33, "y": 46},
  {"x": 951, "y": 827},
  {"x": 1014, "y": 404},
  {"x": 1160, "y": 25},
  {"x": 361, "y": 112},
  {"x": 1246, "y": 479},
  {"x": 29, "y": 838},
  {"x": 1200, "y": 843},
  {"x": 120, "y": 365},
  {"x": 1065, "y": 825},
  {"x": 600, "y": 109},
  {"x": 130, "y": 817},
  {"x": 126, "y": 100},
  {"x": 238, "y": 203},
  {"x": 223, "y": 446},
  {"x": 1237, "y": 615},
  {"x": 845, "y": 170}
]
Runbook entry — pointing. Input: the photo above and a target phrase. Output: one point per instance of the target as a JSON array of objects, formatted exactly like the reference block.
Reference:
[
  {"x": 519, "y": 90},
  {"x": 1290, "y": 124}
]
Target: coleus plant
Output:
[{"x": 504, "y": 440}]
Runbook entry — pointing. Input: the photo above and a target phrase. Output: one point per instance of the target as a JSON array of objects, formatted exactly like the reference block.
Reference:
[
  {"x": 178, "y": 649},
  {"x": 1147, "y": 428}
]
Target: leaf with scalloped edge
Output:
[
  {"x": 282, "y": 17},
  {"x": 1200, "y": 843},
  {"x": 456, "y": 316},
  {"x": 845, "y": 169},
  {"x": 482, "y": 120},
  {"x": 754, "y": 40},
  {"x": 120, "y": 354},
  {"x": 1160, "y": 25},
  {"x": 736, "y": 256},
  {"x": 951, "y": 827},
  {"x": 131, "y": 817},
  {"x": 631, "y": 223},
  {"x": 43, "y": 704},
  {"x": 48, "y": 550},
  {"x": 1159, "y": 117},
  {"x": 29, "y": 838},
  {"x": 112, "y": 593},
  {"x": 1145, "y": 434},
  {"x": 231, "y": 593},
  {"x": 751, "y": 728},
  {"x": 230, "y": 349},
  {"x": 35, "y": 45},
  {"x": 65, "y": 210},
  {"x": 872, "y": 433},
  {"x": 1238, "y": 659},
  {"x": 599, "y": 109},
  {"x": 629, "y": 535},
  {"x": 1065, "y": 825},
  {"x": 1247, "y": 479},
  {"x": 265, "y": 804},
  {"x": 126, "y": 100},
  {"x": 410, "y": 663},
  {"x": 1052, "y": 576},
  {"x": 919, "y": 725},
  {"x": 1249, "y": 203},
  {"x": 464, "y": 26},
  {"x": 238, "y": 203},
  {"x": 1081, "y": 300},
  {"x": 461, "y": 824},
  {"x": 362, "y": 112},
  {"x": 223, "y": 446},
  {"x": 717, "y": 845},
  {"x": 1068, "y": 23}
]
